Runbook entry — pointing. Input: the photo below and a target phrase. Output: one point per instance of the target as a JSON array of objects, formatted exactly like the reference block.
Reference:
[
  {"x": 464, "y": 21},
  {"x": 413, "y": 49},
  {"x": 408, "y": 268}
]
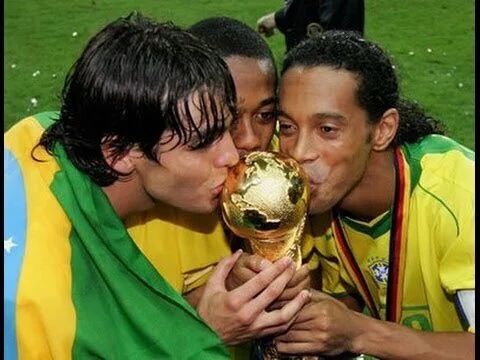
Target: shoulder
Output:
[
  {"x": 443, "y": 179},
  {"x": 440, "y": 164}
]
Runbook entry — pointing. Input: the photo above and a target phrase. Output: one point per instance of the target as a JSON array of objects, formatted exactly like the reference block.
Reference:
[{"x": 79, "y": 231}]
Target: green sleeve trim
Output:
[
  {"x": 430, "y": 144},
  {"x": 445, "y": 205},
  {"x": 437, "y": 144}
]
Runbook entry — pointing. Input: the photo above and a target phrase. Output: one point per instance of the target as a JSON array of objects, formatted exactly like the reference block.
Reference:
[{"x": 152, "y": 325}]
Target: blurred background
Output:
[{"x": 432, "y": 43}]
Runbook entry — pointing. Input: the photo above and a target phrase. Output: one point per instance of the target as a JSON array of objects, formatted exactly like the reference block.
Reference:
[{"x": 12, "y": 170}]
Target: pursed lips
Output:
[{"x": 218, "y": 189}]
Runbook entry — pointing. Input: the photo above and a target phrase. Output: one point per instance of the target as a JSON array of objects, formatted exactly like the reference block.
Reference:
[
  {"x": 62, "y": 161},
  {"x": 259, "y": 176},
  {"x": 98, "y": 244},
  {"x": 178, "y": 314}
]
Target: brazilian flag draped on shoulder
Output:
[{"x": 76, "y": 285}]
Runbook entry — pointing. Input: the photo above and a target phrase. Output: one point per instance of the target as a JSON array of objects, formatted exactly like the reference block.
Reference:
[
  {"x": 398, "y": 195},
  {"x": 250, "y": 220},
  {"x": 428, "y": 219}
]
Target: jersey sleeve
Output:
[
  {"x": 457, "y": 254},
  {"x": 196, "y": 278},
  {"x": 455, "y": 231}
]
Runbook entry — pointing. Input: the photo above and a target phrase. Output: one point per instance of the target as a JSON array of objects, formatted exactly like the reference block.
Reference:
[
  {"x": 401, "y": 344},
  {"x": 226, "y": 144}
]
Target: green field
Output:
[{"x": 432, "y": 42}]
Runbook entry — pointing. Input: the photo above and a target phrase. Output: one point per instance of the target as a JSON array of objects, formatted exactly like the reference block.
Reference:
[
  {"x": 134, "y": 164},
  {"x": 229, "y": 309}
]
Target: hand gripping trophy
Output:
[{"x": 265, "y": 201}]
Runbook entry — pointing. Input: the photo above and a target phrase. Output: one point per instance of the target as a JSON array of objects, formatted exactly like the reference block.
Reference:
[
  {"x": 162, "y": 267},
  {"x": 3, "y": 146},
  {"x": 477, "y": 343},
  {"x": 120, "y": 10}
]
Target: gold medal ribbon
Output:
[{"x": 397, "y": 250}]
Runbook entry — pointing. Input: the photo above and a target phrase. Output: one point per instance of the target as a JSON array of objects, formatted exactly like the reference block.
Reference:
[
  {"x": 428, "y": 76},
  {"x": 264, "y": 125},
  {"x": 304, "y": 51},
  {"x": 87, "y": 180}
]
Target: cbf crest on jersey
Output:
[{"x": 379, "y": 269}]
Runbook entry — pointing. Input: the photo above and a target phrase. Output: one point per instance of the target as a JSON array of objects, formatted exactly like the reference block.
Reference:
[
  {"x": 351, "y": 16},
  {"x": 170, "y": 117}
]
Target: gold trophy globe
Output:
[{"x": 265, "y": 201}]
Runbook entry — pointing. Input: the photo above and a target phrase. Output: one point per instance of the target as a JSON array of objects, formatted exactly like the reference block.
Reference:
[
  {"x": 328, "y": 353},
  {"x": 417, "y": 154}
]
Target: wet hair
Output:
[
  {"x": 136, "y": 79},
  {"x": 378, "y": 88},
  {"x": 230, "y": 37}
]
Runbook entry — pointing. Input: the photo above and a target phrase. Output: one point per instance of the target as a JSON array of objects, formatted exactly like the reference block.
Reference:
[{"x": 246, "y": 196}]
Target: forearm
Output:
[{"x": 388, "y": 340}]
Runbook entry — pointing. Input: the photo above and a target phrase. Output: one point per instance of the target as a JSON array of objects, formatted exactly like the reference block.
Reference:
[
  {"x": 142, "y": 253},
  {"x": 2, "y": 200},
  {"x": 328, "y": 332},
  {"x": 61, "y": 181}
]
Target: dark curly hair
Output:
[
  {"x": 378, "y": 88},
  {"x": 134, "y": 80},
  {"x": 230, "y": 37}
]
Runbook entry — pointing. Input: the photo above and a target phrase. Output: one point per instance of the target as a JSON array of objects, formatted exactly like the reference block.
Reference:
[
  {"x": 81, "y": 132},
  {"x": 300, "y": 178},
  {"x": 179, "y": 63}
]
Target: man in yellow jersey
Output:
[
  {"x": 131, "y": 129},
  {"x": 193, "y": 243},
  {"x": 253, "y": 69},
  {"x": 196, "y": 242},
  {"x": 392, "y": 209}
]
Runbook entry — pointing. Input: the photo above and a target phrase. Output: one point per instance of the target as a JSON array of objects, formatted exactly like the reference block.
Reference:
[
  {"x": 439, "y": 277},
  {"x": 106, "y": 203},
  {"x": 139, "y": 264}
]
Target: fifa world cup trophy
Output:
[{"x": 265, "y": 201}]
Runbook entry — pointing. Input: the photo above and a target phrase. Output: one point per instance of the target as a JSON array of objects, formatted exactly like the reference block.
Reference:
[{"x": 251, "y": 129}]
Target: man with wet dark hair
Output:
[
  {"x": 144, "y": 122},
  {"x": 391, "y": 209}
]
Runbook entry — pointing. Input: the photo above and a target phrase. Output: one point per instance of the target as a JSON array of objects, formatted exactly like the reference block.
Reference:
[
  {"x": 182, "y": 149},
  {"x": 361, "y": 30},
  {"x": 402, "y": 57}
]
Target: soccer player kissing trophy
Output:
[{"x": 265, "y": 201}]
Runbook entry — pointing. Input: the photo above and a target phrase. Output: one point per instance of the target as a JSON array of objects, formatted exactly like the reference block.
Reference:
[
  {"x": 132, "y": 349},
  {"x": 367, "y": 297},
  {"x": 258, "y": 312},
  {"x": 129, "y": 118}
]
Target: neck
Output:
[
  {"x": 127, "y": 197},
  {"x": 375, "y": 193}
]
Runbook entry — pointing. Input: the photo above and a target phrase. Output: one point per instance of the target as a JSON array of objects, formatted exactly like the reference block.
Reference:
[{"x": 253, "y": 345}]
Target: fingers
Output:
[
  {"x": 277, "y": 304},
  {"x": 296, "y": 348},
  {"x": 301, "y": 275},
  {"x": 256, "y": 263},
  {"x": 290, "y": 293},
  {"x": 280, "y": 320},
  {"x": 238, "y": 276},
  {"x": 267, "y": 296},
  {"x": 294, "y": 336},
  {"x": 321, "y": 296},
  {"x": 245, "y": 268},
  {"x": 300, "y": 281},
  {"x": 264, "y": 280},
  {"x": 222, "y": 270}
]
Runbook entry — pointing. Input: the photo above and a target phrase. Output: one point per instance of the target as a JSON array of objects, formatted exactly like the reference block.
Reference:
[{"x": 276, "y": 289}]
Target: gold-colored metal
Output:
[{"x": 265, "y": 200}]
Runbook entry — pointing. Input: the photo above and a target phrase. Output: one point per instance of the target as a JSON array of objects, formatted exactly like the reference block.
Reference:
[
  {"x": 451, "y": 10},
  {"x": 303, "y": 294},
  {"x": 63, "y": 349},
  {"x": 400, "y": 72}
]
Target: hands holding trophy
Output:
[{"x": 265, "y": 201}]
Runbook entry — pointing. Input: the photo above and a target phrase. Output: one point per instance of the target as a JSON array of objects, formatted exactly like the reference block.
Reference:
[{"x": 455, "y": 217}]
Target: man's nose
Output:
[
  {"x": 302, "y": 151},
  {"x": 245, "y": 138},
  {"x": 228, "y": 153}
]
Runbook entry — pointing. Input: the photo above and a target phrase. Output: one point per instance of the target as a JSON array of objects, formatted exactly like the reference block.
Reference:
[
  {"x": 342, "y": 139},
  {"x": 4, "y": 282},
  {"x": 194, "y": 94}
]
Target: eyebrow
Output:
[
  {"x": 319, "y": 116},
  {"x": 330, "y": 115},
  {"x": 270, "y": 100},
  {"x": 265, "y": 102},
  {"x": 284, "y": 114}
]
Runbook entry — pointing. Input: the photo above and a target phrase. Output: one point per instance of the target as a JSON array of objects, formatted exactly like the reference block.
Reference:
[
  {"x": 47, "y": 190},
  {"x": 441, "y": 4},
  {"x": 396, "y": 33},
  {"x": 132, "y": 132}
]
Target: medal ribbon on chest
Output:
[{"x": 397, "y": 246}]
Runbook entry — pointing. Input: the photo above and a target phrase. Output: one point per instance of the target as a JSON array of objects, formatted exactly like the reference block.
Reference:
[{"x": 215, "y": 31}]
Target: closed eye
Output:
[{"x": 286, "y": 128}]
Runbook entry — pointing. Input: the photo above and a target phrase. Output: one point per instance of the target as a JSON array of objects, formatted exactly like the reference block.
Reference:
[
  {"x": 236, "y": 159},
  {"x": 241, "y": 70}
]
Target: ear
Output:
[
  {"x": 123, "y": 164},
  {"x": 385, "y": 130}
]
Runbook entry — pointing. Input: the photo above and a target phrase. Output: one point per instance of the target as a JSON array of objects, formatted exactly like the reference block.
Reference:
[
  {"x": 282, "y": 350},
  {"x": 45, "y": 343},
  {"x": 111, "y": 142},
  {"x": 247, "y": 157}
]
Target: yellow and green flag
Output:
[{"x": 76, "y": 285}]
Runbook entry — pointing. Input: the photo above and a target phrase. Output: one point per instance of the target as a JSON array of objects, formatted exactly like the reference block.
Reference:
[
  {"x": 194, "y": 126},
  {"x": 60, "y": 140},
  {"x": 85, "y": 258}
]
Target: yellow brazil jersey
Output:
[
  {"x": 182, "y": 246},
  {"x": 440, "y": 239}
]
